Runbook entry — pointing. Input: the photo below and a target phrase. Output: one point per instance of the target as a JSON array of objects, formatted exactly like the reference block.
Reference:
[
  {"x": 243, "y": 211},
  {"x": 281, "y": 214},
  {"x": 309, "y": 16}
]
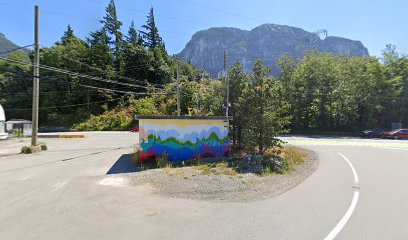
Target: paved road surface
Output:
[{"x": 66, "y": 194}]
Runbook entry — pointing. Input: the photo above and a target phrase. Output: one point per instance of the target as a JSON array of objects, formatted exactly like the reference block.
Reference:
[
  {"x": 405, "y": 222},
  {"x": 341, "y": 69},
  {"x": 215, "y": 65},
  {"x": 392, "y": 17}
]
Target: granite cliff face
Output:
[{"x": 267, "y": 42}]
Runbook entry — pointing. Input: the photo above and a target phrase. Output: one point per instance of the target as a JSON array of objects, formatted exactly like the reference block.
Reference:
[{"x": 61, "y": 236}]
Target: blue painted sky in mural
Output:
[{"x": 192, "y": 136}]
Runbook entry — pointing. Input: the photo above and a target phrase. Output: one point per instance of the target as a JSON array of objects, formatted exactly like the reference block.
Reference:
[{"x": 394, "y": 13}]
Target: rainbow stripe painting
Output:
[{"x": 183, "y": 138}]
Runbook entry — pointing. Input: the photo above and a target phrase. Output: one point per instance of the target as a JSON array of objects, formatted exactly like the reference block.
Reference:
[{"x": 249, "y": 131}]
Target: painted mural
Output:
[{"x": 183, "y": 139}]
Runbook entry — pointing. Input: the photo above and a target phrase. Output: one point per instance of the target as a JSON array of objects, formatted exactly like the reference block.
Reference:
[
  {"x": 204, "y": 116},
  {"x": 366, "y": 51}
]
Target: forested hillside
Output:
[
  {"x": 7, "y": 45},
  {"x": 84, "y": 77}
]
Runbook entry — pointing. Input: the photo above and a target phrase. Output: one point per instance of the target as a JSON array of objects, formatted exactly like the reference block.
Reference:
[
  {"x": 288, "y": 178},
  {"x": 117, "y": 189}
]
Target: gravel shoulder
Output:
[{"x": 190, "y": 183}]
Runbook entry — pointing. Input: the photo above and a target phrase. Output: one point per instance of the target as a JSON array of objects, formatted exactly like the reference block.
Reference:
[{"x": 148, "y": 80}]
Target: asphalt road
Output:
[{"x": 358, "y": 192}]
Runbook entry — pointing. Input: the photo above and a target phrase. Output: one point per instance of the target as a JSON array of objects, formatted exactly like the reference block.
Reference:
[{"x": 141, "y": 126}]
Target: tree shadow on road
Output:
[{"x": 123, "y": 165}]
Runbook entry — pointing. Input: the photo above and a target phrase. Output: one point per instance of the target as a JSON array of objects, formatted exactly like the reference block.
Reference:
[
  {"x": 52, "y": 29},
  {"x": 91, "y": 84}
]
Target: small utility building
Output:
[
  {"x": 3, "y": 133},
  {"x": 20, "y": 125},
  {"x": 183, "y": 138}
]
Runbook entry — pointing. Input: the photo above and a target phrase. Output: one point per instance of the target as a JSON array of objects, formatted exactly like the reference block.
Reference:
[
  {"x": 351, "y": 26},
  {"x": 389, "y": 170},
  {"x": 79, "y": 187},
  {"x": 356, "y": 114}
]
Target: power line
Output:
[
  {"x": 92, "y": 87},
  {"x": 64, "y": 106},
  {"x": 42, "y": 93},
  {"x": 105, "y": 72},
  {"x": 16, "y": 49},
  {"x": 75, "y": 73},
  {"x": 222, "y": 11},
  {"x": 158, "y": 15}
]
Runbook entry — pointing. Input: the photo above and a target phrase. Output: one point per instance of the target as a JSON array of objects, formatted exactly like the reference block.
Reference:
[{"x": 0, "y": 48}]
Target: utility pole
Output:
[
  {"x": 198, "y": 95},
  {"x": 225, "y": 77},
  {"x": 178, "y": 88},
  {"x": 36, "y": 80}
]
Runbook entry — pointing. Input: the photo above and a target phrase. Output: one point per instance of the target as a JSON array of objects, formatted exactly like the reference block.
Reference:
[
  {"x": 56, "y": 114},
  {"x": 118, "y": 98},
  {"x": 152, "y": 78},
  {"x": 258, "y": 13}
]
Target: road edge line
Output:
[
  {"x": 343, "y": 221},
  {"x": 356, "y": 179}
]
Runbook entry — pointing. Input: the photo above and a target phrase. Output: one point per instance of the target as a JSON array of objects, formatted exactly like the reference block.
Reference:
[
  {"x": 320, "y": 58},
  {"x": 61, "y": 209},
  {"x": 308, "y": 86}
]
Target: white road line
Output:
[
  {"x": 356, "y": 180},
  {"x": 343, "y": 221},
  {"x": 394, "y": 148},
  {"x": 21, "y": 197},
  {"x": 58, "y": 186},
  {"x": 336, "y": 230}
]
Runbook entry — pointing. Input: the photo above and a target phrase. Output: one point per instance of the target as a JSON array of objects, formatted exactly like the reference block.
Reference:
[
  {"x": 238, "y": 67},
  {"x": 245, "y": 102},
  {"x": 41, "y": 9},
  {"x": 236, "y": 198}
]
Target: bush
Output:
[
  {"x": 163, "y": 160},
  {"x": 275, "y": 165},
  {"x": 43, "y": 147},
  {"x": 25, "y": 150},
  {"x": 113, "y": 120}
]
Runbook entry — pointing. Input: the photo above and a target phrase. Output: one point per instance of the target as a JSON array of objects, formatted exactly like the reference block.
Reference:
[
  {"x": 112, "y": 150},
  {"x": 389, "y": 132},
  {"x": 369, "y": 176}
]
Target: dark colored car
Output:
[
  {"x": 134, "y": 129},
  {"x": 397, "y": 134},
  {"x": 375, "y": 133}
]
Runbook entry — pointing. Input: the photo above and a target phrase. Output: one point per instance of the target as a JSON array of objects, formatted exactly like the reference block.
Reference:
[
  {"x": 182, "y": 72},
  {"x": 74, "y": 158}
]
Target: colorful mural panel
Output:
[{"x": 183, "y": 139}]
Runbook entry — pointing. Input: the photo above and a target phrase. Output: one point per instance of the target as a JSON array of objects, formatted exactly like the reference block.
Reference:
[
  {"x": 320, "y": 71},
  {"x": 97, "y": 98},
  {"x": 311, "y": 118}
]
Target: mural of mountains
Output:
[
  {"x": 267, "y": 42},
  {"x": 7, "y": 45}
]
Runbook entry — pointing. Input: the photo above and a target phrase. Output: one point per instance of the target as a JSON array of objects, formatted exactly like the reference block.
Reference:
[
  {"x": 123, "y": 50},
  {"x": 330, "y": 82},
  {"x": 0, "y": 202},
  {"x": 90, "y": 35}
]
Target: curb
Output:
[{"x": 62, "y": 136}]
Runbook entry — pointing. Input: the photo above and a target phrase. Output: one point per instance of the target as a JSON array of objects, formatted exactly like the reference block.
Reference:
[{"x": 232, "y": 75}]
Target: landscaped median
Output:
[{"x": 237, "y": 179}]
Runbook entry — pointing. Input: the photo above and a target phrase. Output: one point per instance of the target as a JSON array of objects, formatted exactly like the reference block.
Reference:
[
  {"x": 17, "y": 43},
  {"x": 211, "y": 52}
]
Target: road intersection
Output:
[{"x": 66, "y": 194}]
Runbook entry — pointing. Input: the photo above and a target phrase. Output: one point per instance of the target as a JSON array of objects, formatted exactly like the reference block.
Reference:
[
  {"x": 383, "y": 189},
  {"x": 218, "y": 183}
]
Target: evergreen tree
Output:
[
  {"x": 68, "y": 36},
  {"x": 264, "y": 109},
  {"x": 100, "y": 53},
  {"x": 151, "y": 36},
  {"x": 236, "y": 81},
  {"x": 112, "y": 26},
  {"x": 133, "y": 38}
]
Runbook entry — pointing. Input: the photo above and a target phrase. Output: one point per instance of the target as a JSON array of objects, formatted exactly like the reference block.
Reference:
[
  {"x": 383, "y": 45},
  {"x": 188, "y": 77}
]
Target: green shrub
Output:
[
  {"x": 144, "y": 106},
  {"x": 25, "y": 150},
  {"x": 275, "y": 165},
  {"x": 43, "y": 147},
  {"x": 163, "y": 160},
  {"x": 114, "y": 120}
]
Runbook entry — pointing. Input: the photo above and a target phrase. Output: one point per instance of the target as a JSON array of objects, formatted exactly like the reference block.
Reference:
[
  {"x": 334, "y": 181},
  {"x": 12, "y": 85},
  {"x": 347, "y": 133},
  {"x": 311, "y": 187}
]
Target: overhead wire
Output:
[
  {"x": 105, "y": 72},
  {"x": 93, "y": 87},
  {"x": 64, "y": 106},
  {"x": 45, "y": 67},
  {"x": 16, "y": 49}
]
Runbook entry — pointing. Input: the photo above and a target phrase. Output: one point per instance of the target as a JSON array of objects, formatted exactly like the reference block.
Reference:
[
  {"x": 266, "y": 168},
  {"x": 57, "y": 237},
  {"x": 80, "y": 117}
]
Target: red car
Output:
[
  {"x": 134, "y": 129},
  {"x": 397, "y": 134}
]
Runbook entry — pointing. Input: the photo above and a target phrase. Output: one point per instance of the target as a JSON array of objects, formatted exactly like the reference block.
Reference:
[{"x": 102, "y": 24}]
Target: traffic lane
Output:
[
  {"x": 382, "y": 212},
  {"x": 34, "y": 199},
  {"x": 345, "y": 141},
  {"x": 88, "y": 210},
  {"x": 308, "y": 211},
  {"x": 70, "y": 149}
]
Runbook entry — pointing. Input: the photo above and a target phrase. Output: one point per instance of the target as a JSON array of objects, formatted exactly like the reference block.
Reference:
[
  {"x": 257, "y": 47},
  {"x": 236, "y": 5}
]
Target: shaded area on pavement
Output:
[{"x": 123, "y": 165}]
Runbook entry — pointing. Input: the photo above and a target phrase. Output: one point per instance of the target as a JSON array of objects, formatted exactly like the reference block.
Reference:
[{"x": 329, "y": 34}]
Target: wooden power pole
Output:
[
  {"x": 36, "y": 80},
  {"x": 225, "y": 79},
  {"x": 178, "y": 88}
]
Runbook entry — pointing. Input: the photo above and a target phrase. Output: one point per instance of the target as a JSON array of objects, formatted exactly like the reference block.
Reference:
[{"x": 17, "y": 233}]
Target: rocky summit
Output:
[{"x": 267, "y": 42}]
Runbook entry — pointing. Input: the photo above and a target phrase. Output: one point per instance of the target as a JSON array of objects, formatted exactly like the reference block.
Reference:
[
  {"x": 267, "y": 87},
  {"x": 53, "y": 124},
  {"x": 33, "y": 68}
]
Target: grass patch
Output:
[
  {"x": 296, "y": 155},
  {"x": 275, "y": 161},
  {"x": 221, "y": 168}
]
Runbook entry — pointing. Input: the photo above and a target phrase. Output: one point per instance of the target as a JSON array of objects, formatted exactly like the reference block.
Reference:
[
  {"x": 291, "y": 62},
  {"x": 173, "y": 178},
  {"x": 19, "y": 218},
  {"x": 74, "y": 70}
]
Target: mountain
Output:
[
  {"x": 7, "y": 45},
  {"x": 267, "y": 42}
]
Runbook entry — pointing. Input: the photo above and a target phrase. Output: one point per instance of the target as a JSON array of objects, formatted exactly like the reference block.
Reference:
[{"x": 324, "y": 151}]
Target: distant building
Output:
[
  {"x": 3, "y": 133},
  {"x": 20, "y": 125}
]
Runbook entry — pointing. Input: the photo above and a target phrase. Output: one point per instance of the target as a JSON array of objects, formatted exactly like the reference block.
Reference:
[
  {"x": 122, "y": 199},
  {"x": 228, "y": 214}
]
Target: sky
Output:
[{"x": 374, "y": 23}]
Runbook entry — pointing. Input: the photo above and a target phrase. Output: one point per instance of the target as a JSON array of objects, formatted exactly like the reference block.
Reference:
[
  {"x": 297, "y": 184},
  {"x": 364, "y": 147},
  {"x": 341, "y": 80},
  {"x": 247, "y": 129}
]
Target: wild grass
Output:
[{"x": 278, "y": 161}]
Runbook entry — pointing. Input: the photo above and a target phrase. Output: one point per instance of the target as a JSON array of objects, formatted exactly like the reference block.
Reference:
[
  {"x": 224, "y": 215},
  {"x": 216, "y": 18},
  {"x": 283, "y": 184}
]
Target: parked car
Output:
[
  {"x": 134, "y": 129},
  {"x": 375, "y": 133},
  {"x": 397, "y": 134}
]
